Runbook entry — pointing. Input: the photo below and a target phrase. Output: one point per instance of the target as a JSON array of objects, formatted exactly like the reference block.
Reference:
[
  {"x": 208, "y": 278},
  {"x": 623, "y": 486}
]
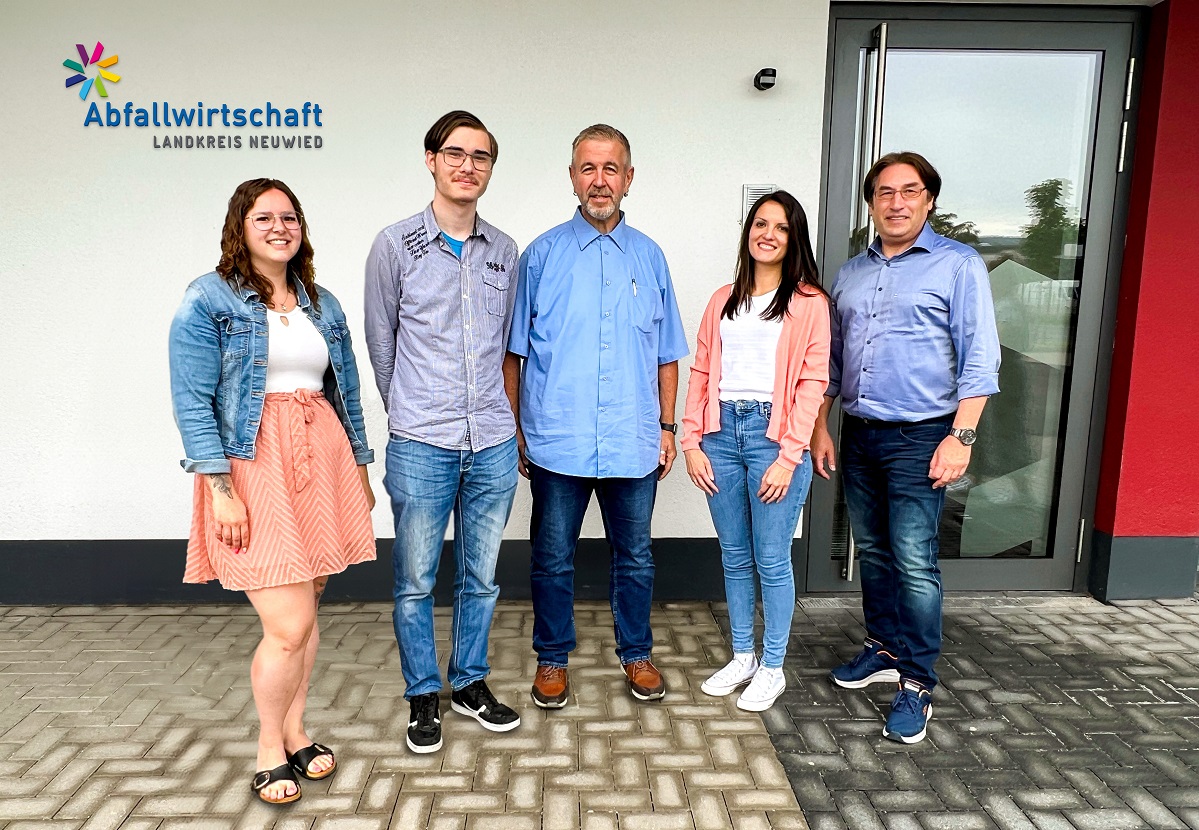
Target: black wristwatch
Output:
[
  {"x": 673, "y": 429},
  {"x": 966, "y": 436}
]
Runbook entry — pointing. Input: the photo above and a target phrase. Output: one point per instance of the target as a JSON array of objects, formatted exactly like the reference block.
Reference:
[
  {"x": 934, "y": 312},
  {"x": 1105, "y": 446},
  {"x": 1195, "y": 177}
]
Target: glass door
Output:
[{"x": 1024, "y": 121}]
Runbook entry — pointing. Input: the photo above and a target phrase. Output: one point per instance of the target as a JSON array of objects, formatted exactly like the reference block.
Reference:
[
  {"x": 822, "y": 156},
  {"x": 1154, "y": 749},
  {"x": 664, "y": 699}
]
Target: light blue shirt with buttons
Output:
[
  {"x": 595, "y": 316},
  {"x": 914, "y": 334}
]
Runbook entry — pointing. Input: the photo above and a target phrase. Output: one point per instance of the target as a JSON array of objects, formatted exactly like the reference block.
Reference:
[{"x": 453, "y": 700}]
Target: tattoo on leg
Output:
[{"x": 223, "y": 483}]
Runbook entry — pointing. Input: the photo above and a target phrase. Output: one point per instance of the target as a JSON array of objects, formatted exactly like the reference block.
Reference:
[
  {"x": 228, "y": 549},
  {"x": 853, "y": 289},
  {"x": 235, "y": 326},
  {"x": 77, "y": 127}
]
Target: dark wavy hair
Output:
[
  {"x": 924, "y": 168},
  {"x": 800, "y": 274},
  {"x": 235, "y": 264}
]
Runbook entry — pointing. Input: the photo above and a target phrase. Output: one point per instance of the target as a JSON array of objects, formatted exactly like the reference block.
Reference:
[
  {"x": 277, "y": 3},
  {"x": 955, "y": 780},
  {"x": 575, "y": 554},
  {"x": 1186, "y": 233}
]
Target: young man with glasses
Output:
[
  {"x": 915, "y": 354},
  {"x": 599, "y": 331},
  {"x": 438, "y": 310}
]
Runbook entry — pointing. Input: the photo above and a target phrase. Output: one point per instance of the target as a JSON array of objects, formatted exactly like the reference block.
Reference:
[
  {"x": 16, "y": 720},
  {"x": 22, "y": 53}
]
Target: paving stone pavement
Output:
[
  {"x": 1053, "y": 713},
  {"x": 141, "y": 718}
]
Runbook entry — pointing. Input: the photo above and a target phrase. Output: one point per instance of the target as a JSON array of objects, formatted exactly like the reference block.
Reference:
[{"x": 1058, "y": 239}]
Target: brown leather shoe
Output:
[
  {"x": 645, "y": 682},
  {"x": 551, "y": 687}
]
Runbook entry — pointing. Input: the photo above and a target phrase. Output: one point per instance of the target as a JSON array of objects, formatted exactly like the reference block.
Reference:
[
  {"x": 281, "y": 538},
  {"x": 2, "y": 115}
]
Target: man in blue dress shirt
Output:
[
  {"x": 915, "y": 354},
  {"x": 599, "y": 331}
]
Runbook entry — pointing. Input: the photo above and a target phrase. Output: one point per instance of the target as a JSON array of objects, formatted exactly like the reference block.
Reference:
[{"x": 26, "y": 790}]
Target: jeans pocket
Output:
[{"x": 926, "y": 433}]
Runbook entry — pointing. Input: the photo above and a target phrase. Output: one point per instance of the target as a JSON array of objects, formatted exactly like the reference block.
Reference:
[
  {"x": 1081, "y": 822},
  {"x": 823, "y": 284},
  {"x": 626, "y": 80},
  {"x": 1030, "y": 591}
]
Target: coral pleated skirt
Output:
[{"x": 308, "y": 513}]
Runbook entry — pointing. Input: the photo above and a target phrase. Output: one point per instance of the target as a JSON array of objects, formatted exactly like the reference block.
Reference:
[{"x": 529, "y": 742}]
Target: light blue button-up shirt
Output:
[
  {"x": 595, "y": 316},
  {"x": 914, "y": 334}
]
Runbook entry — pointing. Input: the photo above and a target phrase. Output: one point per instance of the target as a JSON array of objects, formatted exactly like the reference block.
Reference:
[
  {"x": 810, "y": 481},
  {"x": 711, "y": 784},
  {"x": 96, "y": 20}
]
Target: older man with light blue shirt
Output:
[
  {"x": 915, "y": 354},
  {"x": 598, "y": 327}
]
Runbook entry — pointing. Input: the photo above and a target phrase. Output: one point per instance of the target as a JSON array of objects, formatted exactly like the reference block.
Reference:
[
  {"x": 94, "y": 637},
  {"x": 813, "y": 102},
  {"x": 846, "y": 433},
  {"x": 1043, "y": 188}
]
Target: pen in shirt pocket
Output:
[{"x": 634, "y": 286}]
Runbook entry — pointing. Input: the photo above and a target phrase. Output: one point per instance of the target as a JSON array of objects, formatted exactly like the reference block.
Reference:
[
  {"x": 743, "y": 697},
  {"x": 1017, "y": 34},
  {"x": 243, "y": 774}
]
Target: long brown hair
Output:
[
  {"x": 235, "y": 265},
  {"x": 800, "y": 274}
]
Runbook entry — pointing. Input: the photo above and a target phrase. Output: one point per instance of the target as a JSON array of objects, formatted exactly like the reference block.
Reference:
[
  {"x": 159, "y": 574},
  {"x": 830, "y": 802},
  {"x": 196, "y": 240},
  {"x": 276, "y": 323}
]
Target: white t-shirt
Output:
[
  {"x": 747, "y": 350},
  {"x": 297, "y": 356}
]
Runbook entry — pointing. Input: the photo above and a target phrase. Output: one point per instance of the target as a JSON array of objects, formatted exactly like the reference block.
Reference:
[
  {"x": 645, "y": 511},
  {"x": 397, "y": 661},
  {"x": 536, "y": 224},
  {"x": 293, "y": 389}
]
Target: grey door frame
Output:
[{"x": 1120, "y": 34}]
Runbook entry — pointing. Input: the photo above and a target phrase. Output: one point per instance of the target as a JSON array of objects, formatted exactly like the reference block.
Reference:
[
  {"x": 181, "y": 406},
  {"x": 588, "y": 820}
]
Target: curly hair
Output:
[{"x": 235, "y": 265}]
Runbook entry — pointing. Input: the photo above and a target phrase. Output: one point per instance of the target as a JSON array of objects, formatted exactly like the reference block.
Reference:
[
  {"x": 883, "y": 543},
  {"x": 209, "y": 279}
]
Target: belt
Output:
[{"x": 873, "y": 423}]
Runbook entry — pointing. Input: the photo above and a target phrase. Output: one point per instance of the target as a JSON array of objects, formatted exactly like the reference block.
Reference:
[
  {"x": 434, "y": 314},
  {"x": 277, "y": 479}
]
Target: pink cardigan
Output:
[{"x": 800, "y": 376}]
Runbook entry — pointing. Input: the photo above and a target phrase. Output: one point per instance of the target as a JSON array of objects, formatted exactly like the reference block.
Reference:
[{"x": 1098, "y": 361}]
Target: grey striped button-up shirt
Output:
[{"x": 437, "y": 329}]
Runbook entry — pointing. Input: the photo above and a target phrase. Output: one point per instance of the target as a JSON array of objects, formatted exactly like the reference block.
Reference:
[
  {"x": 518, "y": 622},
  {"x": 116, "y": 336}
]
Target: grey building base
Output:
[
  {"x": 1143, "y": 567},
  {"x": 148, "y": 571}
]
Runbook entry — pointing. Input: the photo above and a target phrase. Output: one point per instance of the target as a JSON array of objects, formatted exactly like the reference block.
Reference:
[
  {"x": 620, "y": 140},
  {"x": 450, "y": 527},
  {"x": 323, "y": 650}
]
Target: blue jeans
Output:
[
  {"x": 895, "y": 514},
  {"x": 559, "y": 504},
  {"x": 426, "y": 483},
  {"x": 752, "y": 533}
]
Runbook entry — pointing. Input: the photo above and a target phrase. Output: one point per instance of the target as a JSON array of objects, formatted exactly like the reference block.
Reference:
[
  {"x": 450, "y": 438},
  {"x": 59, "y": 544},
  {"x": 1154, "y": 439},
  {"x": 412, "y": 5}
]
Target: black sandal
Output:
[
  {"x": 301, "y": 758},
  {"x": 264, "y": 778}
]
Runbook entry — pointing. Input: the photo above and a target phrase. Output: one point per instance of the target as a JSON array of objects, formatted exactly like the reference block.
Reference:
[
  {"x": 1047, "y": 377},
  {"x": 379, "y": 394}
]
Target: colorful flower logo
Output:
[{"x": 85, "y": 61}]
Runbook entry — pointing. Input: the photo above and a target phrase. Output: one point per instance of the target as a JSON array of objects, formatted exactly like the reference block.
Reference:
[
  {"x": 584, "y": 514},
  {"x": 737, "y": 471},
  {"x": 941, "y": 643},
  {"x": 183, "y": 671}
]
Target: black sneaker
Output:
[
  {"x": 424, "y": 724},
  {"x": 476, "y": 701}
]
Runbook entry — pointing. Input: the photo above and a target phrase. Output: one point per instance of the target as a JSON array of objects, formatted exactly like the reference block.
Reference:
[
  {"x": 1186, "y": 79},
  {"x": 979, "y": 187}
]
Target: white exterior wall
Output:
[{"x": 100, "y": 232}]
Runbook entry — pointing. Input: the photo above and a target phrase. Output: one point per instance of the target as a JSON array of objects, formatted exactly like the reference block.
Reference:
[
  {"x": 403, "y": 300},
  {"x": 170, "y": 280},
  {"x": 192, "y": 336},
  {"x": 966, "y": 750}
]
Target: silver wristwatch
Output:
[{"x": 966, "y": 436}]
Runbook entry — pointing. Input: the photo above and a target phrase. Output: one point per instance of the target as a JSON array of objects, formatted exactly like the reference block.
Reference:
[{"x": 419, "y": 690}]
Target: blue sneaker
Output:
[
  {"x": 910, "y": 712},
  {"x": 873, "y": 664}
]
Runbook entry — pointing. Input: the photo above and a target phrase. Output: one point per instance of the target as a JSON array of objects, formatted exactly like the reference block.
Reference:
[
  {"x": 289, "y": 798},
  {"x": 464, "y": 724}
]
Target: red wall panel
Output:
[{"x": 1149, "y": 478}]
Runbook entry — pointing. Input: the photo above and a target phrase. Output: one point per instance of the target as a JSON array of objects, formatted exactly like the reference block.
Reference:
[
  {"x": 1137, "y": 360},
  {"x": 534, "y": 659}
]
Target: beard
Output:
[{"x": 601, "y": 213}]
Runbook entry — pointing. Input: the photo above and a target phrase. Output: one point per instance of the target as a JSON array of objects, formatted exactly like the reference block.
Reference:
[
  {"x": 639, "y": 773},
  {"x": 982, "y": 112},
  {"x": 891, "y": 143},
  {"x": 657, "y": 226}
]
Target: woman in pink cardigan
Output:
[{"x": 760, "y": 371}]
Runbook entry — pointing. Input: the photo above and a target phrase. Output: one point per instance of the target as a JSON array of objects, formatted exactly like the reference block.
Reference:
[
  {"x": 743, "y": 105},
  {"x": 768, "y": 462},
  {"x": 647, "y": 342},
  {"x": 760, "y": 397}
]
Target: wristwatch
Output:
[
  {"x": 673, "y": 429},
  {"x": 966, "y": 436}
]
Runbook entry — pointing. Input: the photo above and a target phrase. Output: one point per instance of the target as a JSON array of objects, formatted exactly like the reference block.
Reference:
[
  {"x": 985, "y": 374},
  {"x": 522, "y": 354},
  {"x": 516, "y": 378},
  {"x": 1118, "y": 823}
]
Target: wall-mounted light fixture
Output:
[{"x": 765, "y": 78}]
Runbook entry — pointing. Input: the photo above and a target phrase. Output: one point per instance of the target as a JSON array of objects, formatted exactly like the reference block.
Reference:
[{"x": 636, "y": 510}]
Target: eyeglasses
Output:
[
  {"x": 266, "y": 221},
  {"x": 885, "y": 194},
  {"x": 454, "y": 156}
]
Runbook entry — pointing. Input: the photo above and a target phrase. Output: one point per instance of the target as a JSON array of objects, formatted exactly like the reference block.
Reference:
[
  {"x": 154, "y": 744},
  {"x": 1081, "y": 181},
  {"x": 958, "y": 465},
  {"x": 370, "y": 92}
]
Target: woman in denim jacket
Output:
[{"x": 266, "y": 396}]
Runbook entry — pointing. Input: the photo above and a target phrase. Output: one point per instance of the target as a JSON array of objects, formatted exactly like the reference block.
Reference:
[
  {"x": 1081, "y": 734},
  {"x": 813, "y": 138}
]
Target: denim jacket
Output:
[{"x": 218, "y": 353}]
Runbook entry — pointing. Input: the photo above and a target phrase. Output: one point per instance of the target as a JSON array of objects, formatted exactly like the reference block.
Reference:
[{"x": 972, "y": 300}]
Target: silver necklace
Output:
[{"x": 283, "y": 309}]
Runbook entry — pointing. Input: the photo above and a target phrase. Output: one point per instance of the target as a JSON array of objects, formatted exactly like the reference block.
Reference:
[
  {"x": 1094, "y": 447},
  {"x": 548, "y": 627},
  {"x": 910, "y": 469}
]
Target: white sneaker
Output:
[
  {"x": 738, "y": 672},
  {"x": 763, "y": 690}
]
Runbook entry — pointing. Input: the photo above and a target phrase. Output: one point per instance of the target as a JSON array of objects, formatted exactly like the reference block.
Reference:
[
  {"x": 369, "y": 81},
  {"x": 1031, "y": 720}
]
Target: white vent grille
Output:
[{"x": 750, "y": 193}]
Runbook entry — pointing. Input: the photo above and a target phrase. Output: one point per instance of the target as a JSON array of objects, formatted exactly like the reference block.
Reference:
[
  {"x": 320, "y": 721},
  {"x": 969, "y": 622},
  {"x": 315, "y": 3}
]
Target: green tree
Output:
[
  {"x": 947, "y": 225},
  {"x": 1051, "y": 227}
]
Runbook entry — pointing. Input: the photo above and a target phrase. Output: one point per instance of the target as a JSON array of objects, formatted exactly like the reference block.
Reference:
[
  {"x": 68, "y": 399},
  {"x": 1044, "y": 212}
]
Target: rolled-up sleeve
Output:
[
  {"x": 380, "y": 317},
  {"x": 195, "y": 359},
  {"x": 512, "y": 264},
  {"x": 972, "y": 327},
  {"x": 811, "y": 352},
  {"x": 834, "y": 355}
]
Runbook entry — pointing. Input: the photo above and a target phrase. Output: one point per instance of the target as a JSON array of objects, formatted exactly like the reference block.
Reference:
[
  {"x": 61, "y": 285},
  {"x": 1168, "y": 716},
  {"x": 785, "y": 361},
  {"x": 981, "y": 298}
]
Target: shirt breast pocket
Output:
[
  {"x": 647, "y": 308},
  {"x": 495, "y": 291}
]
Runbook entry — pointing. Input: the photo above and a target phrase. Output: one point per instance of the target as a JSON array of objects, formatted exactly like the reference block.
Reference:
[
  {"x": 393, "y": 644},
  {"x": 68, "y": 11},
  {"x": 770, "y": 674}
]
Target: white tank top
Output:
[
  {"x": 297, "y": 356},
  {"x": 747, "y": 349}
]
